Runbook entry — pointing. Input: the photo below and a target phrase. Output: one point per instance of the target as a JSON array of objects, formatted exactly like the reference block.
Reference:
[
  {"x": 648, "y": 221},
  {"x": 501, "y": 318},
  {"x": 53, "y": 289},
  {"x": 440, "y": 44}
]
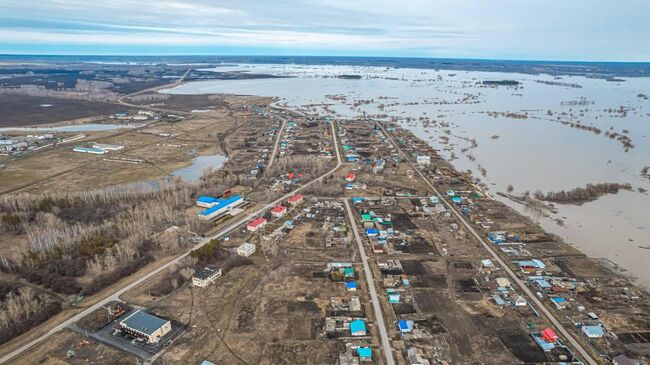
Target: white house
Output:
[
  {"x": 204, "y": 277},
  {"x": 246, "y": 249},
  {"x": 423, "y": 160}
]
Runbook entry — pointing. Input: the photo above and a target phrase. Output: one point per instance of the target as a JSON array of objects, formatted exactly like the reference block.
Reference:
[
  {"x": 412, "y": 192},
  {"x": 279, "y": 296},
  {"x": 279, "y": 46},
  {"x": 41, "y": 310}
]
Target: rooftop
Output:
[
  {"x": 143, "y": 322},
  {"x": 222, "y": 203}
]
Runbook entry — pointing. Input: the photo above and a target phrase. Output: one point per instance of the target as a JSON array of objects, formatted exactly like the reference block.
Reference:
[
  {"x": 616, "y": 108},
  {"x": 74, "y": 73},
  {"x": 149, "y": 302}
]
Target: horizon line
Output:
[{"x": 312, "y": 56}]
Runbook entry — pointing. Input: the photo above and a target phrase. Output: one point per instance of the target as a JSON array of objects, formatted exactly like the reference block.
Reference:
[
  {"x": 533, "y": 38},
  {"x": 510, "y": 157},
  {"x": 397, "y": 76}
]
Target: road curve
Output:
[
  {"x": 379, "y": 316},
  {"x": 124, "y": 289},
  {"x": 531, "y": 296}
]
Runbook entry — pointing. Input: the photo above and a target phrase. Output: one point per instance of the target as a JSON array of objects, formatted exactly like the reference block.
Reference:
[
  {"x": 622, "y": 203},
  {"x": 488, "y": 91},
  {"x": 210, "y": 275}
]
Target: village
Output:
[{"x": 352, "y": 242}]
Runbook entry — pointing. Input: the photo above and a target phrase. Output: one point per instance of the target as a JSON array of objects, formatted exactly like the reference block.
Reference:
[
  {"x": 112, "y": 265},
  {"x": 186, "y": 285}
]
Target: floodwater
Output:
[
  {"x": 71, "y": 128},
  {"x": 535, "y": 153},
  {"x": 199, "y": 164}
]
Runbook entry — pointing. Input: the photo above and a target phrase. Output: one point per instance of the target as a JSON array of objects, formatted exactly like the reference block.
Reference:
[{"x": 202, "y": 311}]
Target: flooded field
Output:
[
  {"x": 199, "y": 164},
  {"x": 531, "y": 133}
]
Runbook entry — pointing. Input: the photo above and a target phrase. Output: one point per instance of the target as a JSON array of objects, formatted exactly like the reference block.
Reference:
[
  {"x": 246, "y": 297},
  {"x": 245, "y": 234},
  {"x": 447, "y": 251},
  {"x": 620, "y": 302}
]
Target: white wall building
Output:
[
  {"x": 246, "y": 249},
  {"x": 204, "y": 277}
]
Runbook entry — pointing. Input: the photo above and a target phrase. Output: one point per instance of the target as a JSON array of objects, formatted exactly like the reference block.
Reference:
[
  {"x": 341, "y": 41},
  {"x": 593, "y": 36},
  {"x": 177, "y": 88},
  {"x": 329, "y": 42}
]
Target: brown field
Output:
[{"x": 20, "y": 111}]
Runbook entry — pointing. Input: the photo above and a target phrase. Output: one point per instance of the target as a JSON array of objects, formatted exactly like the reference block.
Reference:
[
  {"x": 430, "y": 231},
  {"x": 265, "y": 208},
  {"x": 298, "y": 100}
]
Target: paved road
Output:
[
  {"x": 155, "y": 88},
  {"x": 116, "y": 295},
  {"x": 531, "y": 296},
  {"x": 379, "y": 316}
]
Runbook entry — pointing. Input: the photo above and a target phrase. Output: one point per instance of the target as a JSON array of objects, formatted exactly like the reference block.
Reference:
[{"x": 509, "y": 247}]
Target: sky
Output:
[{"x": 566, "y": 30}]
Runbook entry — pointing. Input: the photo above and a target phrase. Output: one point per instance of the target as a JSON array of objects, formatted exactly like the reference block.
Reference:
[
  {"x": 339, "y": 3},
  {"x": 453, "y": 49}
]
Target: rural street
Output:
[
  {"x": 379, "y": 316},
  {"x": 531, "y": 296}
]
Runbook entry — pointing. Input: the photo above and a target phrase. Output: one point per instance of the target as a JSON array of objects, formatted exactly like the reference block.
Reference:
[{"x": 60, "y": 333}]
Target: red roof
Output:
[
  {"x": 292, "y": 176},
  {"x": 549, "y": 334},
  {"x": 257, "y": 222},
  {"x": 279, "y": 209},
  {"x": 295, "y": 198}
]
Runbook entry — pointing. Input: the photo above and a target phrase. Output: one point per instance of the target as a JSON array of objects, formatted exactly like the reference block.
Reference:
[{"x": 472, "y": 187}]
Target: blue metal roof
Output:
[
  {"x": 207, "y": 199},
  {"x": 358, "y": 325},
  {"x": 405, "y": 325},
  {"x": 593, "y": 331},
  {"x": 144, "y": 322},
  {"x": 364, "y": 352},
  {"x": 221, "y": 204}
]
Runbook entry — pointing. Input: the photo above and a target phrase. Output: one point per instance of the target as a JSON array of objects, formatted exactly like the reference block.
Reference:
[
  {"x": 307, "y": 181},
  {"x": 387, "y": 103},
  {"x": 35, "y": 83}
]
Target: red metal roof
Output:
[
  {"x": 549, "y": 334},
  {"x": 295, "y": 198},
  {"x": 257, "y": 222},
  {"x": 279, "y": 209}
]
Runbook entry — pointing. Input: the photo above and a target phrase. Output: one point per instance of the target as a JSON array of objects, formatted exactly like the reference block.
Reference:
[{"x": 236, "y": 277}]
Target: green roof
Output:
[{"x": 366, "y": 218}]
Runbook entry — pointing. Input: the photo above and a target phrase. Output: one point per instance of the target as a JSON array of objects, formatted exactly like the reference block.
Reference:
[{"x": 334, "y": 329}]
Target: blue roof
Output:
[
  {"x": 364, "y": 352},
  {"x": 405, "y": 326},
  {"x": 593, "y": 330},
  {"x": 91, "y": 149},
  {"x": 545, "y": 345},
  {"x": 206, "y": 199},
  {"x": 206, "y": 362},
  {"x": 358, "y": 325},
  {"x": 221, "y": 204},
  {"x": 351, "y": 285},
  {"x": 498, "y": 300},
  {"x": 558, "y": 299},
  {"x": 542, "y": 283},
  {"x": 144, "y": 322}
]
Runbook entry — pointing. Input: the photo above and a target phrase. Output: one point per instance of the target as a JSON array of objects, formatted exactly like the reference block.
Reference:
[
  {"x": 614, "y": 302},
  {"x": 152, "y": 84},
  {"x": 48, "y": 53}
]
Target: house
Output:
[
  {"x": 487, "y": 264},
  {"x": 219, "y": 206},
  {"x": 204, "y": 277},
  {"x": 549, "y": 335},
  {"x": 256, "y": 224},
  {"x": 351, "y": 285},
  {"x": 405, "y": 326},
  {"x": 379, "y": 166},
  {"x": 145, "y": 326},
  {"x": 350, "y": 177},
  {"x": 593, "y": 331},
  {"x": 520, "y": 302},
  {"x": 246, "y": 249},
  {"x": 358, "y": 327},
  {"x": 423, "y": 160},
  {"x": 296, "y": 199},
  {"x": 503, "y": 282},
  {"x": 278, "y": 211},
  {"x": 365, "y": 353}
]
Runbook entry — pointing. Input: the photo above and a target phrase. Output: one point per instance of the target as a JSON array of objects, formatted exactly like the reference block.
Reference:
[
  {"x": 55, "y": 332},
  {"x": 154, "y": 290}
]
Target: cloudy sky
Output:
[{"x": 606, "y": 30}]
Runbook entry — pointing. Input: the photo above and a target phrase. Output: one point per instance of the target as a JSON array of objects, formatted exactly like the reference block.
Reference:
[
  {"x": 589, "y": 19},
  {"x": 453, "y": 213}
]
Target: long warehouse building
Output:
[{"x": 221, "y": 206}]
